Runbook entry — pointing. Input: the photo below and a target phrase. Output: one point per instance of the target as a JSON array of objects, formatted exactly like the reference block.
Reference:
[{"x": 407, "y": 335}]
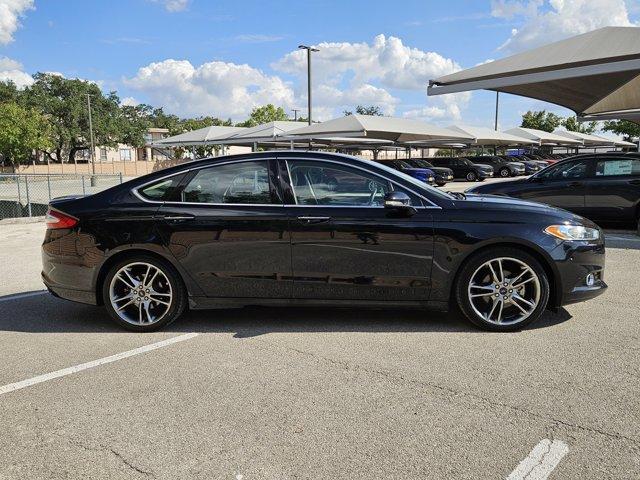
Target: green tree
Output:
[
  {"x": 630, "y": 131},
  {"x": 264, "y": 114},
  {"x": 541, "y": 120},
  {"x": 572, "y": 125},
  {"x": 22, "y": 130},
  {"x": 64, "y": 102},
  {"x": 366, "y": 110},
  {"x": 9, "y": 92}
]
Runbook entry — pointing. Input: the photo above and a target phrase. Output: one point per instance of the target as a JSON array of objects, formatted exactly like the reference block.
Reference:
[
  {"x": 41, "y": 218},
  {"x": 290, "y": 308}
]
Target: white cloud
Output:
[
  {"x": 347, "y": 74},
  {"x": 174, "y": 5},
  {"x": 386, "y": 60},
  {"x": 11, "y": 70},
  {"x": 214, "y": 88},
  {"x": 10, "y": 13},
  {"x": 545, "y": 21},
  {"x": 129, "y": 101}
]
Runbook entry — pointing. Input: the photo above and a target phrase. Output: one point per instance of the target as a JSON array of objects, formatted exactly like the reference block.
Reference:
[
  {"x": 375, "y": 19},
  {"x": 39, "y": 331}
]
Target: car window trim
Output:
[
  {"x": 190, "y": 172},
  {"x": 422, "y": 197}
]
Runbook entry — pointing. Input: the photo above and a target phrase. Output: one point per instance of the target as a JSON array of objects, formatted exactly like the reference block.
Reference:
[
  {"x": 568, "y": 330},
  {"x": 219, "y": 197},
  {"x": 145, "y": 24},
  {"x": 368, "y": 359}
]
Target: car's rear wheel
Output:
[
  {"x": 143, "y": 293},
  {"x": 504, "y": 172},
  {"x": 472, "y": 176},
  {"x": 502, "y": 289}
]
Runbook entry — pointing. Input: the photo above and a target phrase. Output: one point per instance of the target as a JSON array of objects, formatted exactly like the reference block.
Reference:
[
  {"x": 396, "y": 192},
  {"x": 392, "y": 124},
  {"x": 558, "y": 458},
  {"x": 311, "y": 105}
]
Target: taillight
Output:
[{"x": 56, "y": 219}]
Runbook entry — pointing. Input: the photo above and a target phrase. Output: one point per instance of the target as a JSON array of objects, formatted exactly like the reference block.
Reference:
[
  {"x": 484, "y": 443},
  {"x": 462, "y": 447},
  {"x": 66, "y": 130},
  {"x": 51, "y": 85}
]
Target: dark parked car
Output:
[
  {"x": 310, "y": 228},
  {"x": 442, "y": 174},
  {"x": 424, "y": 174},
  {"x": 500, "y": 167},
  {"x": 530, "y": 166},
  {"x": 464, "y": 169},
  {"x": 602, "y": 187}
]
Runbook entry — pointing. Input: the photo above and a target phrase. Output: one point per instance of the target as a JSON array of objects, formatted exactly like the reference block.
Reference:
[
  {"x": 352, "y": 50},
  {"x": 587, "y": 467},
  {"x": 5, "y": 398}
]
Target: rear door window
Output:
[
  {"x": 617, "y": 167},
  {"x": 233, "y": 183}
]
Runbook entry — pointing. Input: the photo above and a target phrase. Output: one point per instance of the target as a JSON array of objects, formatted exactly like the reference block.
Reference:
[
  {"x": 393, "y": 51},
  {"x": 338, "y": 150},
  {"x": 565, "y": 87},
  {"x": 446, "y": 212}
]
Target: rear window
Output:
[{"x": 161, "y": 190}]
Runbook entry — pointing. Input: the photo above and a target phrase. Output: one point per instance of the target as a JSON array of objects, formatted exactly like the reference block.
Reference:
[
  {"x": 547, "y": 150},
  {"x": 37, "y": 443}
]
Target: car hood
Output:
[
  {"x": 495, "y": 202},
  {"x": 423, "y": 171},
  {"x": 500, "y": 187}
]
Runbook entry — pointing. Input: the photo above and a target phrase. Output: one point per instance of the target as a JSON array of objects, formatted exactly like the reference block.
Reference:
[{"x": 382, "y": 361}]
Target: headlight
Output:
[{"x": 573, "y": 232}]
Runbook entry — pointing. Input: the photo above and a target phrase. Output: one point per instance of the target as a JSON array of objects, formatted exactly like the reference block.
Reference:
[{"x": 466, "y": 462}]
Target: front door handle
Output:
[
  {"x": 634, "y": 182},
  {"x": 307, "y": 219},
  {"x": 576, "y": 184}
]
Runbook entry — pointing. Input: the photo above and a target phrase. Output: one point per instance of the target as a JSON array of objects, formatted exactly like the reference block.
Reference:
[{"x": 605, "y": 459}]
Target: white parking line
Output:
[
  {"x": 94, "y": 363},
  {"x": 22, "y": 295},
  {"x": 544, "y": 457}
]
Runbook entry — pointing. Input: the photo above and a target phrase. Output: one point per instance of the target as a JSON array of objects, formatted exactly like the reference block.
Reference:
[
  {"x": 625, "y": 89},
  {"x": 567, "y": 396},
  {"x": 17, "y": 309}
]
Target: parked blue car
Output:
[{"x": 423, "y": 174}]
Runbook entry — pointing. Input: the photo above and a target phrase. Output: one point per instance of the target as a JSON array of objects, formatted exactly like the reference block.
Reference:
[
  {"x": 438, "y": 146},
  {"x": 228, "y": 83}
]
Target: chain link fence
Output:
[{"x": 27, "y": 195}]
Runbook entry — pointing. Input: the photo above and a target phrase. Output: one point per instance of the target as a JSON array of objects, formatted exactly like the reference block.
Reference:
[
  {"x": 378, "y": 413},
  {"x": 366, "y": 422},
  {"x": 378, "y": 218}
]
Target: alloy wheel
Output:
[
  {"x": 504, "y": 291},
  {"x": 140, "y": 293}
]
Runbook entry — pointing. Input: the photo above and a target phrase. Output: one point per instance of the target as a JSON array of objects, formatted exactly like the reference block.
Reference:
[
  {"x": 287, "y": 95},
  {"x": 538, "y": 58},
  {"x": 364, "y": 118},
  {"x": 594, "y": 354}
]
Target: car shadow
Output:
[{"x": 42, "y": 313}]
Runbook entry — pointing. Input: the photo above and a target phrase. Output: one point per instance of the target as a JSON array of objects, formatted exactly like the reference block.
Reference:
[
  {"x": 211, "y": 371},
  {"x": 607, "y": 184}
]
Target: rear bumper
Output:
[{"x": 79, "y": 296}]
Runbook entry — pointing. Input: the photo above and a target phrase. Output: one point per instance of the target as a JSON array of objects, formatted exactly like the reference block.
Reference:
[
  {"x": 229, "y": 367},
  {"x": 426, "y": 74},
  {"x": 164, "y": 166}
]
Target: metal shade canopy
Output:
[
  {"x": 384, "y": 128},
  {"x": 488, "y": 137},
  {"x": 587, "y": 140},
  {"x": 592, "y": 74},
  {"x": 263, "y": 133},
  {"x": 543, "y": 138},
  {"x": 201, "y": 136}
]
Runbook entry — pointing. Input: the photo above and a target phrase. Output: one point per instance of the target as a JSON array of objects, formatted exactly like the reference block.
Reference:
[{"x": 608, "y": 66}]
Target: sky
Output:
[{"x": 223, "y": 58}]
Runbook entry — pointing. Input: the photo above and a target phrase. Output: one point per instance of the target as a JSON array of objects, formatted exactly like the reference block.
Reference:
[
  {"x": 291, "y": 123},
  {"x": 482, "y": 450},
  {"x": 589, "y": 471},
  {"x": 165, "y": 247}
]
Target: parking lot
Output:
[{"x": 316, "y": 393}]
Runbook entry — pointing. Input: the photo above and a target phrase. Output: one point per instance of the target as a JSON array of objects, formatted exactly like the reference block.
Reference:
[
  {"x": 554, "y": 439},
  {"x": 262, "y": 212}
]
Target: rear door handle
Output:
[
  {"x": 308, "y": 219},
  {"x": 634, "y": 182},
  {"x": 575, "y": 184}
]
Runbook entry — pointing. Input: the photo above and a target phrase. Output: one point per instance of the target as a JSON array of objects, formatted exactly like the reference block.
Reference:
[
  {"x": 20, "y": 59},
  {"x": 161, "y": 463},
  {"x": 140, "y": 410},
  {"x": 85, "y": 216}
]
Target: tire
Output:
[
  {"x": 164, "y": 303},
  {"x": 472, "y": 176},
  {"x": 441, "y": 184},
  {"x": 506, "y": 317},
  {"x": 504, "y": 172}
]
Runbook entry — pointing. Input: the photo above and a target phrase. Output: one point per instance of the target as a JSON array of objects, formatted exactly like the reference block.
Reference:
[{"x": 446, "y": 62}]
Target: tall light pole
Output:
[
  {"x": 309, "y": 50},
  {"x": 495, "y": 127},
  {"x": 295, "y": 114},
  {"x": 93, "y": 146}
]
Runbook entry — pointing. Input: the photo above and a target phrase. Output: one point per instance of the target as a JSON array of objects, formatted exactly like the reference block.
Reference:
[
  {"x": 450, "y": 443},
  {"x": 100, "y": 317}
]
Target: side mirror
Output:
[{"x": 399, "y": 202}]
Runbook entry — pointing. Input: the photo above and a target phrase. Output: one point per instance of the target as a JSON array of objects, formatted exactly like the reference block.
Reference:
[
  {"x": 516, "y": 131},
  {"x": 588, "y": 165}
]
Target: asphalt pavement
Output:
[{"x": 295, "y": 393}]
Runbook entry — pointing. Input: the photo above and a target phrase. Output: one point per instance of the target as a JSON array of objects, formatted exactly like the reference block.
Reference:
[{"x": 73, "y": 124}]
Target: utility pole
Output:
[
  {"x": 497, "y": 103},
  {"x": 93, "y": 146},
  {"x": 309, "y": 50},
  {"x": 295, "y": 114}
]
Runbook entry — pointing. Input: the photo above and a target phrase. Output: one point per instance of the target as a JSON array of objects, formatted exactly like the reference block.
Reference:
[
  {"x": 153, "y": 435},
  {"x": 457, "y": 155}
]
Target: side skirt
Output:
[{"x": 208, "y": 303}]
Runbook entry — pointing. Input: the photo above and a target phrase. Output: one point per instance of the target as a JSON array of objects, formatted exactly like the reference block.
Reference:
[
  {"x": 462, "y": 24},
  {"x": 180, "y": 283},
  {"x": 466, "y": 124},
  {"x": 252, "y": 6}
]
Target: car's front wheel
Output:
[
  {"x": 502, "y": 289},
  {"x": 143, "y": 294}
]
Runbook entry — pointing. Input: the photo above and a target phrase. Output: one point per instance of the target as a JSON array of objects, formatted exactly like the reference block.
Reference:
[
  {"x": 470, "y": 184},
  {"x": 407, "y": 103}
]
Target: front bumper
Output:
[{"x": 575, "y": 262}]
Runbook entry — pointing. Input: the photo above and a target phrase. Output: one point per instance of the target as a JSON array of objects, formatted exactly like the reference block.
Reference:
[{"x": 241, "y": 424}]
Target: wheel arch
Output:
[
  {"x": 132, "y": 253},
  {"x": 553, "y": 275}
]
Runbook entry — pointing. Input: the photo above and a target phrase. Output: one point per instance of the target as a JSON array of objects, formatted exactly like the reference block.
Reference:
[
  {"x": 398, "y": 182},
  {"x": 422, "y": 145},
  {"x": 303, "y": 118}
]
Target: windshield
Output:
[
  {"x": 404, "y": 164},
  {"x": 423, "y": 163},
  {"x": 420, "y": 185}
]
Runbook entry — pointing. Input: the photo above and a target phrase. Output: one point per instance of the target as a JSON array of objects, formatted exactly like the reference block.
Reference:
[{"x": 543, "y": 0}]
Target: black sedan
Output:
[
  {"x": 442, "y": 175},
  {"x": 282, "y": 228},
  {"x": 463, "y": 169},
  {"x": 602, "y": 187}
]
